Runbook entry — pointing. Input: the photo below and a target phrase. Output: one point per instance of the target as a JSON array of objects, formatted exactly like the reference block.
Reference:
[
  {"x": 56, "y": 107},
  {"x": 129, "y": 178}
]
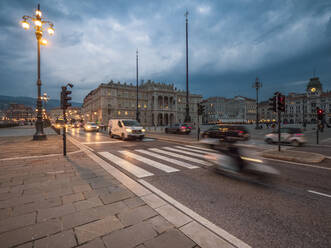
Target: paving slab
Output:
[
  {"x": 160, "y": 224},
  {"x": 204, "y": 237},
  {"x": 96, "y": 243},
  {"x": 29, "y": 233},
  {"x": 98, "y": 228},
  {"x": 16, "y": 222},
  {"x": 64, "y": 239},
  {"x": 173, "y": 215},
  {"x": 112, "y": 197},
  {"x": 89, "y": 203},
  {"x": 136, "y": 215},
  {"x": 138, "y": 234},
  {"x": 49, "y": 213},
  {"x": 172, "y": 238}
]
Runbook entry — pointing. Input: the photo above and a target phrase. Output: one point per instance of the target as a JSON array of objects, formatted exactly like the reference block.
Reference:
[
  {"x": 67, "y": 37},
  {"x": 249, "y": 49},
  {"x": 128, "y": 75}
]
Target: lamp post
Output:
[
  {"x": 257, "y": 85},
  {"x": 38, "y": 22},
  {"x": 137, "y": 112},
  {"x": 187, "y": 113}
]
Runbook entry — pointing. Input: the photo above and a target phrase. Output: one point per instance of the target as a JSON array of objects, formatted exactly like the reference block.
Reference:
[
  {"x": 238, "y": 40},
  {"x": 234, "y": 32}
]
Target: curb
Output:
[{"x": 294, "y": 156}]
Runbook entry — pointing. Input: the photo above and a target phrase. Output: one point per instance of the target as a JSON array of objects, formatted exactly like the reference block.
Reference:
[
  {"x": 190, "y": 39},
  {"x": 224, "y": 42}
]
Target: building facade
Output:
[
  {"x": 238, "y": 109},
  {"x": 159, "y": 104},
  {"x": 72, "y": 113},
  {"x": 301, "y": 108},
  {"x": 18, "y": 112}
]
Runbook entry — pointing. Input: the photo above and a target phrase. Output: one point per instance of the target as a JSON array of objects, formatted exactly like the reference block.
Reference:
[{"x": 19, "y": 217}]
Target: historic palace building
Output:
[
  {"x": 159, "y": 104},
  {"x": 18, "y": 112},
  {"x": 301, "y": 108},
  {"x": 220, "y": 109}
]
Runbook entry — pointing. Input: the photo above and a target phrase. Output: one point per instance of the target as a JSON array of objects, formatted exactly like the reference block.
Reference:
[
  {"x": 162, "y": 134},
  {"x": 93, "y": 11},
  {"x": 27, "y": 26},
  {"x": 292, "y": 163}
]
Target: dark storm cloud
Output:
[{"x": 230, "y": 43}]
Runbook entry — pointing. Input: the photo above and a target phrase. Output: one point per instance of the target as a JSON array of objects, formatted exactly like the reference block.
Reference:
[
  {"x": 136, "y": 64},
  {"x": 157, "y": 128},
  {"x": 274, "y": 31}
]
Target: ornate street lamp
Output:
[
  {"x": 38, "y": 22},
  {"x": 187, "y": 108},
  {"x": 257, "y": 85}
]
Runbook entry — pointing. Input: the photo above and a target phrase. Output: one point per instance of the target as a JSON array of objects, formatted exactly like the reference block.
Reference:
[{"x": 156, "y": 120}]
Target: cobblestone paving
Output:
[{"x": 72, "y": 202}]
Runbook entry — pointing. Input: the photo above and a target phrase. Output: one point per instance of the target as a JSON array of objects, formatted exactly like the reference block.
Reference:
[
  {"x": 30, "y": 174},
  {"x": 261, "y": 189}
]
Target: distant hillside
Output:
[{"x": 31, "y": 102}]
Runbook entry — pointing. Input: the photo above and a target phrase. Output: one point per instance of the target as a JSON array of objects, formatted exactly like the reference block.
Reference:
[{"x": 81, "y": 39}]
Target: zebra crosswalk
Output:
[{"x": 172, "y": 159}]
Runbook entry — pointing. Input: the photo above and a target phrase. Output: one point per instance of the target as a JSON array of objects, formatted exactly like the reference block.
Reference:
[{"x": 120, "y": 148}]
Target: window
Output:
[{"x": 119, "y": 122}]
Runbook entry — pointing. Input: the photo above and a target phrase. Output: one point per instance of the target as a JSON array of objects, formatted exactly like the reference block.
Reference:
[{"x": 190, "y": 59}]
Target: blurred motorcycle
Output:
[{"x": 227, "y": 159}]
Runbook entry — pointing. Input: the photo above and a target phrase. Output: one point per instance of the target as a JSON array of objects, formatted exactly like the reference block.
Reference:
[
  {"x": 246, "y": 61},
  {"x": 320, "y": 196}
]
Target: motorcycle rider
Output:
[{"x": 227, "y": 147}]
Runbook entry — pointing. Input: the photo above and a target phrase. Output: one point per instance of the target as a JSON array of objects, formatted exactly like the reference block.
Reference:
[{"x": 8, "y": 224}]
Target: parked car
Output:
[
  {"x": 125, "y": 129},
  {"x": 227, "y": 132},
  {"x": 289, "y": 135},
  {"x": 178, "y": 128},
  {"x": 91, "y": 126}
]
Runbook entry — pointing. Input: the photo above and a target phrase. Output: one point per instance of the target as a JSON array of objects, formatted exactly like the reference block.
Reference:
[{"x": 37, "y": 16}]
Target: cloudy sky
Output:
[{"x": 230, "y": 43}]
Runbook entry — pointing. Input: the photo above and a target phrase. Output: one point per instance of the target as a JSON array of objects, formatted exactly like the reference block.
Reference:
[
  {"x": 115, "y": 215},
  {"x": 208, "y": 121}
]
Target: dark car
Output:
[
  {"x": 227, "y": 132},
  {"x": 178, "y": 128}
]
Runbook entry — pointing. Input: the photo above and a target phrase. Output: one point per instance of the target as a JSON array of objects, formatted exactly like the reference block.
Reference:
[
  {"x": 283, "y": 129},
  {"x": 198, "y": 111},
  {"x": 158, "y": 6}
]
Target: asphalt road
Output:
[{"x": 285, "y": 211}]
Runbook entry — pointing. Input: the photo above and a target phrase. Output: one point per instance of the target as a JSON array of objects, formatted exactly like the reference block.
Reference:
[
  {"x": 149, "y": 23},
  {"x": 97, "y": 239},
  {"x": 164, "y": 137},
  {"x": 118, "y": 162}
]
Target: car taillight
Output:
[
  {"x": 241, "y": 132},
  {"x": 189, "y": 127},
  {"x": 182, "y": 127},
  {"x": 298, "y": 134}
]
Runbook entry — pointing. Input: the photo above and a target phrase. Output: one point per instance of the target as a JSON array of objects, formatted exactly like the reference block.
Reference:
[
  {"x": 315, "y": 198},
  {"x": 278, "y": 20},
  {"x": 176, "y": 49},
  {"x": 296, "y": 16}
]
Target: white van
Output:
[{"x": 125, "y": 129}]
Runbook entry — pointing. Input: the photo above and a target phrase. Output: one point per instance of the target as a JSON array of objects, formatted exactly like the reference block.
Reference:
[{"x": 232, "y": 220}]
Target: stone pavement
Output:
[
  {"x": 22, "y": 146},
  {"x": 73, "y": 202},
  {"x": 23, "y": 131}
]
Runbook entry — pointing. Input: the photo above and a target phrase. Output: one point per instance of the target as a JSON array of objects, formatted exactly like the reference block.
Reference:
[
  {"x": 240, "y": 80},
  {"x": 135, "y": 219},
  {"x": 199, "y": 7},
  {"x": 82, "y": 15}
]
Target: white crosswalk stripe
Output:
[
  {"x": 200, "y": 148},
  {"x": 176, "y": 155},
  {"x": 190, "y": 149},
  {"x": 185, "y": 152},
  {"x": 174, "y": 161},
  {"x": 135, "y": 170},
  {"x": 150, "y": 162}
]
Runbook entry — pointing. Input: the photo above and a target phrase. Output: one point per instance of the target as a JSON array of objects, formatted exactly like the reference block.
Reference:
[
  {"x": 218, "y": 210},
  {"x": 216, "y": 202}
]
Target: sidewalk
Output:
[
  {"x": 73, "y": 202},
  {"x": 24, "y": 146}
]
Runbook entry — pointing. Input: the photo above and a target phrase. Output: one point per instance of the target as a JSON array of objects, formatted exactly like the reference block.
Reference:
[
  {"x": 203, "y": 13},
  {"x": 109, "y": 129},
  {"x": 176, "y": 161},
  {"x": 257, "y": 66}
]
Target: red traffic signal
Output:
[
  {"x": 320, "y": 113},
  {"x": 281, "y": 102}
]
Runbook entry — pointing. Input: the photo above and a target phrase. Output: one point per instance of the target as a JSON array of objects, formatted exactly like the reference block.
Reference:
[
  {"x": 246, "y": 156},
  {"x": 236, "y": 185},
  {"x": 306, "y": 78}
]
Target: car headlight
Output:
[
  {"x": 128, "y": 130},
  {"x": 88, "y": 127},
  {"x": 143, "y": 130}
]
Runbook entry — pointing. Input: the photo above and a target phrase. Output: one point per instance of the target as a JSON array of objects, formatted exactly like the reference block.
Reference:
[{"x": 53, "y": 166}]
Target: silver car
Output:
[
  {"x": 288, "y": 135},
  {"x": 91, "y": 126}
]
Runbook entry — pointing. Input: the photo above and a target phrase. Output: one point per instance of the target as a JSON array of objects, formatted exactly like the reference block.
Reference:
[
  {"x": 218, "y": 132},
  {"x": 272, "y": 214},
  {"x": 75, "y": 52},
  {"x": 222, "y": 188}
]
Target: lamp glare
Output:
[
  {"x": 51, "y": 31},
  {"x": 38, "y": 13},
  {"x": 25, "y": 25},
  {"x": 37, "y": 23},
  {"x": 44, "y": 42}
]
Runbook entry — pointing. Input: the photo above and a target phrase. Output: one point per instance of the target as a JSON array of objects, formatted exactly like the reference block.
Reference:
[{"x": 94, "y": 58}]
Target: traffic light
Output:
[
  {"x": 320, "y": 113},
  {"x": 65, "y": 98},
  {"x": 273, "y": 104},
  {"x": 281, "y": 102},
  {"x": 201, "y": 109}
]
